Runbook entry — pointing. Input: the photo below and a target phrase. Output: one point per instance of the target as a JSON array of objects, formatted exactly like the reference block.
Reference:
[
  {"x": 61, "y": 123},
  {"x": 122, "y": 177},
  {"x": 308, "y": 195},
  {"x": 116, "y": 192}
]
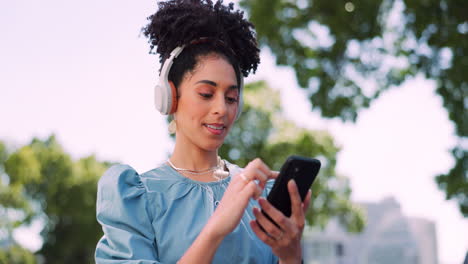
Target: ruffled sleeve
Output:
[{"x": 123, "y": 212}]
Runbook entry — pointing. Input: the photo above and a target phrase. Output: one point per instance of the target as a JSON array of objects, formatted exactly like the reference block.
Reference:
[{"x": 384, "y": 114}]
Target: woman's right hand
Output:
[{"x": 245, "y": 185}]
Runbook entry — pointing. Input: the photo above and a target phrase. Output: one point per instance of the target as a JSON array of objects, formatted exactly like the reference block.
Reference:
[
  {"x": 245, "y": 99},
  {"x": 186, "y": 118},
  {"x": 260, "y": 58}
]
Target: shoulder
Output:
[
  {"x": 118, "y": 173},
  {"x": 160, "y": 172},
  {"x": 120, "y": 180},
  {"x": 121, "y": 194},
  {"x": 125, "y": 216},
  {"x": 165, "y": 182}
]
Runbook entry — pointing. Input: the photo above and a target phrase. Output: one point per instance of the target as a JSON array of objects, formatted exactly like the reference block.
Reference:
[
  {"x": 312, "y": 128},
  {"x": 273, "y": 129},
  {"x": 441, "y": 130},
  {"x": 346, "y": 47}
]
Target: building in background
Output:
[{"x": 389, "y": 237}]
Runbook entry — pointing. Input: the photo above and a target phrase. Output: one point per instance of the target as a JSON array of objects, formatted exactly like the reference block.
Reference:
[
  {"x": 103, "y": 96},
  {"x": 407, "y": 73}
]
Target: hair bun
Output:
[{"x": 180, "y": 22}]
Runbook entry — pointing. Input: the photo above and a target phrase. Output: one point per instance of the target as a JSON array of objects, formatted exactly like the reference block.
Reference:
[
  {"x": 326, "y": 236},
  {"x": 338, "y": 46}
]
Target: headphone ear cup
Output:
[
  {"x": 165, "y": 94},
  {"x": 172, "y": 98},
  {"x": 162, "y": 99},
  {"x": 158, "y": 100}
]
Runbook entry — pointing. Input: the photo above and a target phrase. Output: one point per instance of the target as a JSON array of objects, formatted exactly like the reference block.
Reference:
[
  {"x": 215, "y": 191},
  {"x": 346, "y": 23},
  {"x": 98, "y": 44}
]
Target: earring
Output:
[{"x": 172, "y": 127}]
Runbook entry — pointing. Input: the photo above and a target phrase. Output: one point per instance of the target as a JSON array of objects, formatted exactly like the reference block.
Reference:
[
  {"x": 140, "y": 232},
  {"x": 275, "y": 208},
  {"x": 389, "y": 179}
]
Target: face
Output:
[{"x": 207, "y": 104}]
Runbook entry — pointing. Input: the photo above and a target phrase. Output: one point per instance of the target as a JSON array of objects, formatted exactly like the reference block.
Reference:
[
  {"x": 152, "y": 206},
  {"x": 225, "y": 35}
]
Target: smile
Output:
[{"x": 216, "y": 129}]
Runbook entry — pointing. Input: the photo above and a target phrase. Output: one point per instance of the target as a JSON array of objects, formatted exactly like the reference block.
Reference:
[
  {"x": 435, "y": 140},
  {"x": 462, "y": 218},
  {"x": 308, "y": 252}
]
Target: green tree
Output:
[
  {"x": 12, "y": 198},
  {"x": 15, "y": 211},
  {"x": 47, "y": 184},
  {"x": 16, "y": 255},
  {"x": 347, "y": 53},
  {"x": 262, "y": 131}
]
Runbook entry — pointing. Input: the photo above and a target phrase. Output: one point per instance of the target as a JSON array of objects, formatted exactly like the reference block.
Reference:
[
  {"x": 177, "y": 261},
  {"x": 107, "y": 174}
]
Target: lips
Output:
[{"x": 215, "y": 128}]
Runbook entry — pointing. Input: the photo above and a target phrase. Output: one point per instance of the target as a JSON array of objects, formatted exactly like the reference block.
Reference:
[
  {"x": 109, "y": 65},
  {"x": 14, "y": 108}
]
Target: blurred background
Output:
[{"x": 376, "y": 89}]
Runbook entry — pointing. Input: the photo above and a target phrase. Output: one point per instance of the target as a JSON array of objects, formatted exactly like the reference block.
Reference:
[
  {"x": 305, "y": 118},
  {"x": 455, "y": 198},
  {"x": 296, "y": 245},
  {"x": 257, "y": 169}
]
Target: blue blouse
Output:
[{"x": 155, "y": 217}]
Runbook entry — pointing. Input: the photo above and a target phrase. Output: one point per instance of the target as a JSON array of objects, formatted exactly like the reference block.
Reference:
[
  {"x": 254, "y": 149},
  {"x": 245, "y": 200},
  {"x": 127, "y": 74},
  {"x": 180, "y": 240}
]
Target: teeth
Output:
[{"x": 215, "y": 127}]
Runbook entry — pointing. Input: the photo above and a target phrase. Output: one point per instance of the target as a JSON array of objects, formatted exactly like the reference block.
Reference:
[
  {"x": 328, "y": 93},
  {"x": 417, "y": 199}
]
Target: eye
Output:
[
  {"x": 231, "y": 100},
  {"x": 206, "y": 95}
]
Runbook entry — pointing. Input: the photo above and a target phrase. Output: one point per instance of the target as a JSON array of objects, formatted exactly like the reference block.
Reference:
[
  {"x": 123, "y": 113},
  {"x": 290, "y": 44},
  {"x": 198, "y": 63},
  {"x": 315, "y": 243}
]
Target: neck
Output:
[{"x": 188, "y": 156}]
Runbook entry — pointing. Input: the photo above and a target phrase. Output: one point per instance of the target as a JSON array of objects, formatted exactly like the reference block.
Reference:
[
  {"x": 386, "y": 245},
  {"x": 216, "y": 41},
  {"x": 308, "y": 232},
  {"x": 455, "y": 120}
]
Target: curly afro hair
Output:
[{"x": 186, "y": 22}]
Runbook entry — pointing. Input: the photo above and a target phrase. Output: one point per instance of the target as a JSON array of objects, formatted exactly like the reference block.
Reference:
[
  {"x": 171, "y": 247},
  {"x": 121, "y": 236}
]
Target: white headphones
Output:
[{"x": 165, "y": 97}]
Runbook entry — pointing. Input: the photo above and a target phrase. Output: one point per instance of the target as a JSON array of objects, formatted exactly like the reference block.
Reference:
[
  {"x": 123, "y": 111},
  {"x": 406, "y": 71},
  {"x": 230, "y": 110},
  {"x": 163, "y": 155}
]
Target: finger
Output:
[
  {"x": 269, "y": 227},
  {"x": 253, "y": 173},
  {"x": 261, "y": 176},
  {"x": 277, "y": 216},
  {"x": 251, "y": 190},
  {"x": 238, "y": 182},
  {"x": 244, "y": 181},
  {"x": 243, "y": 178},
  {"x": 262, "y": 235},
  {"x": 296, "y": 202},
  {"x": 259, "y": 164},
  {"x": 258, "y": 191},
  {"x": 242, "y": 196},
  {"x": 274, "y": 174},
  {"x": 262, "y": 185},
  {"x": 306, "y": 203}
]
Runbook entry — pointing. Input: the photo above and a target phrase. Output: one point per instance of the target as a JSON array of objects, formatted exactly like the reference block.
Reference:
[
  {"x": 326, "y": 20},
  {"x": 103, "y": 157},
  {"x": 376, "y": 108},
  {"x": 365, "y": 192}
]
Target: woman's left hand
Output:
[{"x": 284, "y": 240}]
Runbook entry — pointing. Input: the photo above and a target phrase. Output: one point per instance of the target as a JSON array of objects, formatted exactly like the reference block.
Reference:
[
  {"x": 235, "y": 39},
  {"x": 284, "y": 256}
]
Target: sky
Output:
[{"x": 81, "y": 70}]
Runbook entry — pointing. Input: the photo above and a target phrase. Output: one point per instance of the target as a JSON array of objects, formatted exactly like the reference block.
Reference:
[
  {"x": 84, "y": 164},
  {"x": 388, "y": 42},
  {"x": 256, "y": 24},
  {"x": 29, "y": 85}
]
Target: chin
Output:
[{"x": 213, "y": 146}]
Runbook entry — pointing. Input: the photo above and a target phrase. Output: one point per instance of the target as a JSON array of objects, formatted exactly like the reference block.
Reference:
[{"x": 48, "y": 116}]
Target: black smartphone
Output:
[{"x": 304, "y": 171}]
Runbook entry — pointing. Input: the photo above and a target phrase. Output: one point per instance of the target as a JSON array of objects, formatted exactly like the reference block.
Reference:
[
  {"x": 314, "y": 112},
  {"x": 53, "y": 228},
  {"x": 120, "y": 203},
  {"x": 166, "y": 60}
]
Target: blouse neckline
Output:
[{"x": 181, "y": 177}]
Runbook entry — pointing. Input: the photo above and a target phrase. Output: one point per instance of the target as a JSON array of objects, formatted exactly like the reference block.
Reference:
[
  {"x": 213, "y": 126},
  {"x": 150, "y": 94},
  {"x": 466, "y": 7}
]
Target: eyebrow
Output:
[{"x": 232, "y": 87}]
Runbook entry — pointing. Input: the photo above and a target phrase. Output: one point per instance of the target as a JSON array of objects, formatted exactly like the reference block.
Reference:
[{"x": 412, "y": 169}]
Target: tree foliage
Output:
[
  {"x": 16, "y": 255},
  {"x": 15, "y": 210},
  {"x": 347, "y": 53},
  {"x": 45, "y": 183},
  {"x": 262, "y": 131}
]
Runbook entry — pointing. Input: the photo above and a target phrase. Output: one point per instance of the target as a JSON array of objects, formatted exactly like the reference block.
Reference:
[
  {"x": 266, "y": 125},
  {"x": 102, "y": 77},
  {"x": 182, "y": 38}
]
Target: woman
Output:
[{"x": 196, "y": 207}]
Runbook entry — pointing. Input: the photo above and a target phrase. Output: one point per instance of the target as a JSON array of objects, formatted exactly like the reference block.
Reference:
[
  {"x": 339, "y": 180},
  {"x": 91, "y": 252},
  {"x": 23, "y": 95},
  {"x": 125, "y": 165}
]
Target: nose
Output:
[{"x": 220, "y": 106}]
